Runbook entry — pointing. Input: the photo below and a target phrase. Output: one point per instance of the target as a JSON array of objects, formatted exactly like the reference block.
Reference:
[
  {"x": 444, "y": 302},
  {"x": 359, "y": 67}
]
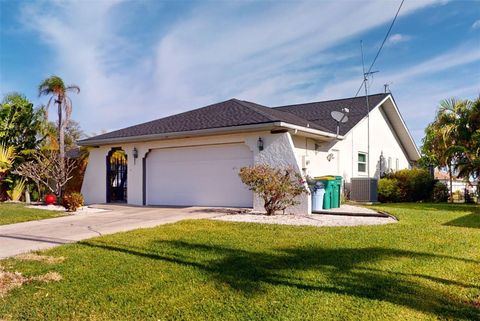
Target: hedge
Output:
[{"x": 406, "y": 185}]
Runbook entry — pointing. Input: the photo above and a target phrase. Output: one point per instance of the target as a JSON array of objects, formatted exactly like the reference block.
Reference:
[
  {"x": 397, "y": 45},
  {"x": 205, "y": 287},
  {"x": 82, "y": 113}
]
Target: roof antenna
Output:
[
  {"x": 367, "y": 74},
  {"x": 387, "y": 88}
]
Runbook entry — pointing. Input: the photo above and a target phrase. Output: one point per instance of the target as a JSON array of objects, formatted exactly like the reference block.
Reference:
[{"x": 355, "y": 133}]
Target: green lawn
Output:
[
  {"x": 426, "y": 267},
  {"x": 15, "y": 213}
]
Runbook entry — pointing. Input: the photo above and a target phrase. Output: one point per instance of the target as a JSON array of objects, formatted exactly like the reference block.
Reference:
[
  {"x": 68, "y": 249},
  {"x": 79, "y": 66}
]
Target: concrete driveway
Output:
[{"x": 34, "y": 235}]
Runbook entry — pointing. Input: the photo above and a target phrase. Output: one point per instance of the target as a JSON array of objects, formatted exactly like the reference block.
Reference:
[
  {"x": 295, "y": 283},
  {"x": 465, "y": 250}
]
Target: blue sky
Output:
[{"x": 140, "y": 60}]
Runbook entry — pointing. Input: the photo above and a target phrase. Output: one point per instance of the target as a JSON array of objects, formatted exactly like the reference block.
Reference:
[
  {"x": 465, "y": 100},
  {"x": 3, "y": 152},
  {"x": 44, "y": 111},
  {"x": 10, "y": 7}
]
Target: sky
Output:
[{"x": 141, "y": 60}]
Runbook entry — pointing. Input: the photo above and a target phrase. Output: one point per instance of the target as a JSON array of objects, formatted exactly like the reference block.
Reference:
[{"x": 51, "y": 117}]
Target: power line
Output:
[
  {"x": 386, "y": 36},
  {"x": 381, "y": 47}
]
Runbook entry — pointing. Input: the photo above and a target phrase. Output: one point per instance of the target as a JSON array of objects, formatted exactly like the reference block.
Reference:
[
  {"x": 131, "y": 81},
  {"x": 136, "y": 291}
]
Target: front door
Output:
[{"x": 116, "y": 176}]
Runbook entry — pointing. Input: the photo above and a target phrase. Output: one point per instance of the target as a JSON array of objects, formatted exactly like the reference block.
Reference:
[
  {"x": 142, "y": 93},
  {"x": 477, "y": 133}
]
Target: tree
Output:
[
  {"x": 278, "y": 187},
  {"x": 20, "y": 123},
  {"x": 57, "y": 90},
  {"x": 48, "y": 170},
  {"x": 72, "y": 134},
  {"x": 452, "y": 140},
  {"x": 467, "y": 145}
]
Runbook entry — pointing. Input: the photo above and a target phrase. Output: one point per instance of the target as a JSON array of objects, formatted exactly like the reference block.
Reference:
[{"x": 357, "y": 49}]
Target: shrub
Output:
[
  {"x": 457, "y": 196},
  {"x": 388, "y": 190},
  {"x": 469, "y": 197},
  {"x": 72, "y": 201},
  {"x": 278, "y": 187},
  {"x": 440, "y": 192},
  {"x": 414, "y": 184},
  {"x": 16, "y": 192}
]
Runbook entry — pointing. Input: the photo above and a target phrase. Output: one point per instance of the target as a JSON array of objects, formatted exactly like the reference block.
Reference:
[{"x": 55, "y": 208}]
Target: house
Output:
[
  {"x": 458, "y": 184},
  {"x": 193, "y": 158}
]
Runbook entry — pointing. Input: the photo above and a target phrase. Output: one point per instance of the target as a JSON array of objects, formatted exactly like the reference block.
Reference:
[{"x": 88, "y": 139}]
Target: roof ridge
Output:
[
  {"x": 331, "y": 100},
  {"x": 255, "y": 108}
]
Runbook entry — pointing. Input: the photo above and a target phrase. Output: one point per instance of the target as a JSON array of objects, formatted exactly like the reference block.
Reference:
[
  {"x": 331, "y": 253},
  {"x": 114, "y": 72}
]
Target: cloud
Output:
[
  {"x": 476, "y": 24},
  {"x": 278, "y": 53},
  {"x": 396, "y": 39}
]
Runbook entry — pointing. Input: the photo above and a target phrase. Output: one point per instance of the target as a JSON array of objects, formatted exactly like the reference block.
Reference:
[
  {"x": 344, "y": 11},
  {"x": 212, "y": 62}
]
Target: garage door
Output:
[{"x": 202, "y": 176}]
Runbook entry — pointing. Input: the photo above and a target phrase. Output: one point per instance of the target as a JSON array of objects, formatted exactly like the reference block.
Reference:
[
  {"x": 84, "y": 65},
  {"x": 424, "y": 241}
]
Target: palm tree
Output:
[
  {"x": 448, "y": 123},
  {"x": 56, "y": 88}
]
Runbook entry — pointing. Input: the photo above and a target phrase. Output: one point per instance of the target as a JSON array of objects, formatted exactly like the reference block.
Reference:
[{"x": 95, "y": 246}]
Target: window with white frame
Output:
[{"x": 362, "y": 162}]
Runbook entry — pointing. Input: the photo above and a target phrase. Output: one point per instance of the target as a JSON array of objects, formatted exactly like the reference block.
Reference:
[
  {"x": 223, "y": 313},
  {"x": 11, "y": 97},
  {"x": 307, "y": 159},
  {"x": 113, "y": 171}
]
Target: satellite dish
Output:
[{"x": 339, "y": 116}]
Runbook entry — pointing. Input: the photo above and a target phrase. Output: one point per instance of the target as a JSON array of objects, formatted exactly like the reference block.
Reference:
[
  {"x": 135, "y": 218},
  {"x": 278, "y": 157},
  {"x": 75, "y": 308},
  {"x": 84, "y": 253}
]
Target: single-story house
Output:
[
  {"x": 458, "y": 184},
  {"x": 193, "y": 158}
]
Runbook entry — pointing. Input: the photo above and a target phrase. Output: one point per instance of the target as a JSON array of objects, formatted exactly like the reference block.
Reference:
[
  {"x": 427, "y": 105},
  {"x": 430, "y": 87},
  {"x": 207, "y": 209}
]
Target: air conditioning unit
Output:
[{"x": 363, "y": 189}]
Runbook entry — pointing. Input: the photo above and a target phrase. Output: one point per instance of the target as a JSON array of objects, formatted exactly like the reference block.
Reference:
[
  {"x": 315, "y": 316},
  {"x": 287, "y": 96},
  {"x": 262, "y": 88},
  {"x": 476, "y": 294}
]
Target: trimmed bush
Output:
[
  {"x": 73, "y": 201},
  {"x": 440, "y": 192},
  {"x": 413, "y": 184},
  {"x": 388, "y": 190},
  {"x": 278, "y": 187}
]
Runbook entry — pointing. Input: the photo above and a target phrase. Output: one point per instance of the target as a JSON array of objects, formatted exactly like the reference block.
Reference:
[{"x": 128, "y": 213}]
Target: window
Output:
[
  {"x": 397, "y": 164},
  {"x": 362, "y": 162}
]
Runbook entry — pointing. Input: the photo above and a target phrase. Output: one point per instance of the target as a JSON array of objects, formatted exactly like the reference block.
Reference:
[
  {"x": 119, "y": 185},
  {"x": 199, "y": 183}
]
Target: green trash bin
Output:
[
  {"x": 329, "y": 183},
  {"x": 337, "y": 192}
]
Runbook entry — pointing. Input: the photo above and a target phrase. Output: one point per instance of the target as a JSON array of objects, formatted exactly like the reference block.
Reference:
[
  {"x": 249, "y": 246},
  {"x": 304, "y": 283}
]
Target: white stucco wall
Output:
[
  {"x": 278, "y": 151},
  {"x": 382, "y": 140},
  {"x": 94, "y": 187}
]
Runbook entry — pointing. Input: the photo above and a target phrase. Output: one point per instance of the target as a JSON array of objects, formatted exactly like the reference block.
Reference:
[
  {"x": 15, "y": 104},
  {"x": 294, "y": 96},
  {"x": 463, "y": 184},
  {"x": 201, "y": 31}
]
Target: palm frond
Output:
[
  {"x": 73, "y": 88},
  {"x": 16, "y": 192},
  {"x": 7, "y": 155}
]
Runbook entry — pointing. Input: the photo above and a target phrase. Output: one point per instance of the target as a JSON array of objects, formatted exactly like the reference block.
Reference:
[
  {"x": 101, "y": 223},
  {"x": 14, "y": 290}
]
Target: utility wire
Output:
[
  {"x": 386, "y": 36},
  {"x": 380, "y": 49}
]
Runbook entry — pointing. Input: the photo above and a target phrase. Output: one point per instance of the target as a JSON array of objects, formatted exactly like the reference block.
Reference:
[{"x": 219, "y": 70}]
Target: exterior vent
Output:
[{"x": 364, "y": 189}]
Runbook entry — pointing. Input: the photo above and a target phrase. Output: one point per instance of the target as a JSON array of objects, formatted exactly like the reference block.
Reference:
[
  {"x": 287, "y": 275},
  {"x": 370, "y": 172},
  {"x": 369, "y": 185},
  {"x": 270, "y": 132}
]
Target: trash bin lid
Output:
[{"x": 326, "y": 178}]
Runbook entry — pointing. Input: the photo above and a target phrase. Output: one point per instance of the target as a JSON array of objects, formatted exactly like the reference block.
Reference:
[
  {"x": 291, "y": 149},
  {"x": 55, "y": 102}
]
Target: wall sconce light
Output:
[
  {"x": 330, "y": 157},
  {"x": 260, "y": 143},
  {"x": 135, "y": 154}
]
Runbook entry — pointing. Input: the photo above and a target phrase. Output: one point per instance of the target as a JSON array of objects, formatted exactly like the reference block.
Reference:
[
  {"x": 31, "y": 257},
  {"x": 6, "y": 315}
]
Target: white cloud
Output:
[
  {"x": 271, "y": 55},
  {"x": 397, "y": 38},
  {"x": 476, "y": 24}
]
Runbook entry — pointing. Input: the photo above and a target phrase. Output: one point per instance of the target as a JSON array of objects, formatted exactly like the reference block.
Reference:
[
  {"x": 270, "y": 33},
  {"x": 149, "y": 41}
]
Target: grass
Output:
[
  {"x": 15, "y": 213},
  {"x": 426, "y": 267}
]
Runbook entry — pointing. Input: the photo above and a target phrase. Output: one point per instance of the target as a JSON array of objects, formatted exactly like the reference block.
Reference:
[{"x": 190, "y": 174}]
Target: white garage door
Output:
[{"x": 203, "y": 176}]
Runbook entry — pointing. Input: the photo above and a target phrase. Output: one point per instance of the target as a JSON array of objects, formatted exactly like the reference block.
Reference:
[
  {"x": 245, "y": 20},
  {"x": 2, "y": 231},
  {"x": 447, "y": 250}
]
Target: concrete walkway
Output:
[
  {"x": 34, "y": 235},
  {"x": 352, "y": 210}
]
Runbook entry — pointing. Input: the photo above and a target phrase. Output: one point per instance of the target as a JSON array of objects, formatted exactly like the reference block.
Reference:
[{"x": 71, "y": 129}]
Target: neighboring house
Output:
[
  {"x": 193, "y": 158},
  {"x": 458, "y": 184}
]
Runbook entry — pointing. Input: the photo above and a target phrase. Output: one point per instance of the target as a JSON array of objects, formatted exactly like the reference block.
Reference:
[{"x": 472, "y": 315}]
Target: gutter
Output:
[
  {"x": 312, "y": 131},
  {"x": 208, "y": 131}
]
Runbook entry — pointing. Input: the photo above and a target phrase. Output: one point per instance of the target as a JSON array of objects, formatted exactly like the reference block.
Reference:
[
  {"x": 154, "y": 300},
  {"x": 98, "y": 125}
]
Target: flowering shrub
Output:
[
  {"x": 73, "y": 201},
  {"x": 278, "y": 187}
]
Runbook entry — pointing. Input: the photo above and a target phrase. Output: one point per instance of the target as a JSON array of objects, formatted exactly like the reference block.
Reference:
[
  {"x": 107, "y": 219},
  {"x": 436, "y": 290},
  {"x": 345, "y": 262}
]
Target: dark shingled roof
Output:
[
  {"x": 320, "y": 112},
  {"x": 236, "y": 112}
]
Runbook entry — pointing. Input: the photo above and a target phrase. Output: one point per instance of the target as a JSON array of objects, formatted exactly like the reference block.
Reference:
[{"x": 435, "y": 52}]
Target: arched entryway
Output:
[{"x": 117, "y": 176}]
